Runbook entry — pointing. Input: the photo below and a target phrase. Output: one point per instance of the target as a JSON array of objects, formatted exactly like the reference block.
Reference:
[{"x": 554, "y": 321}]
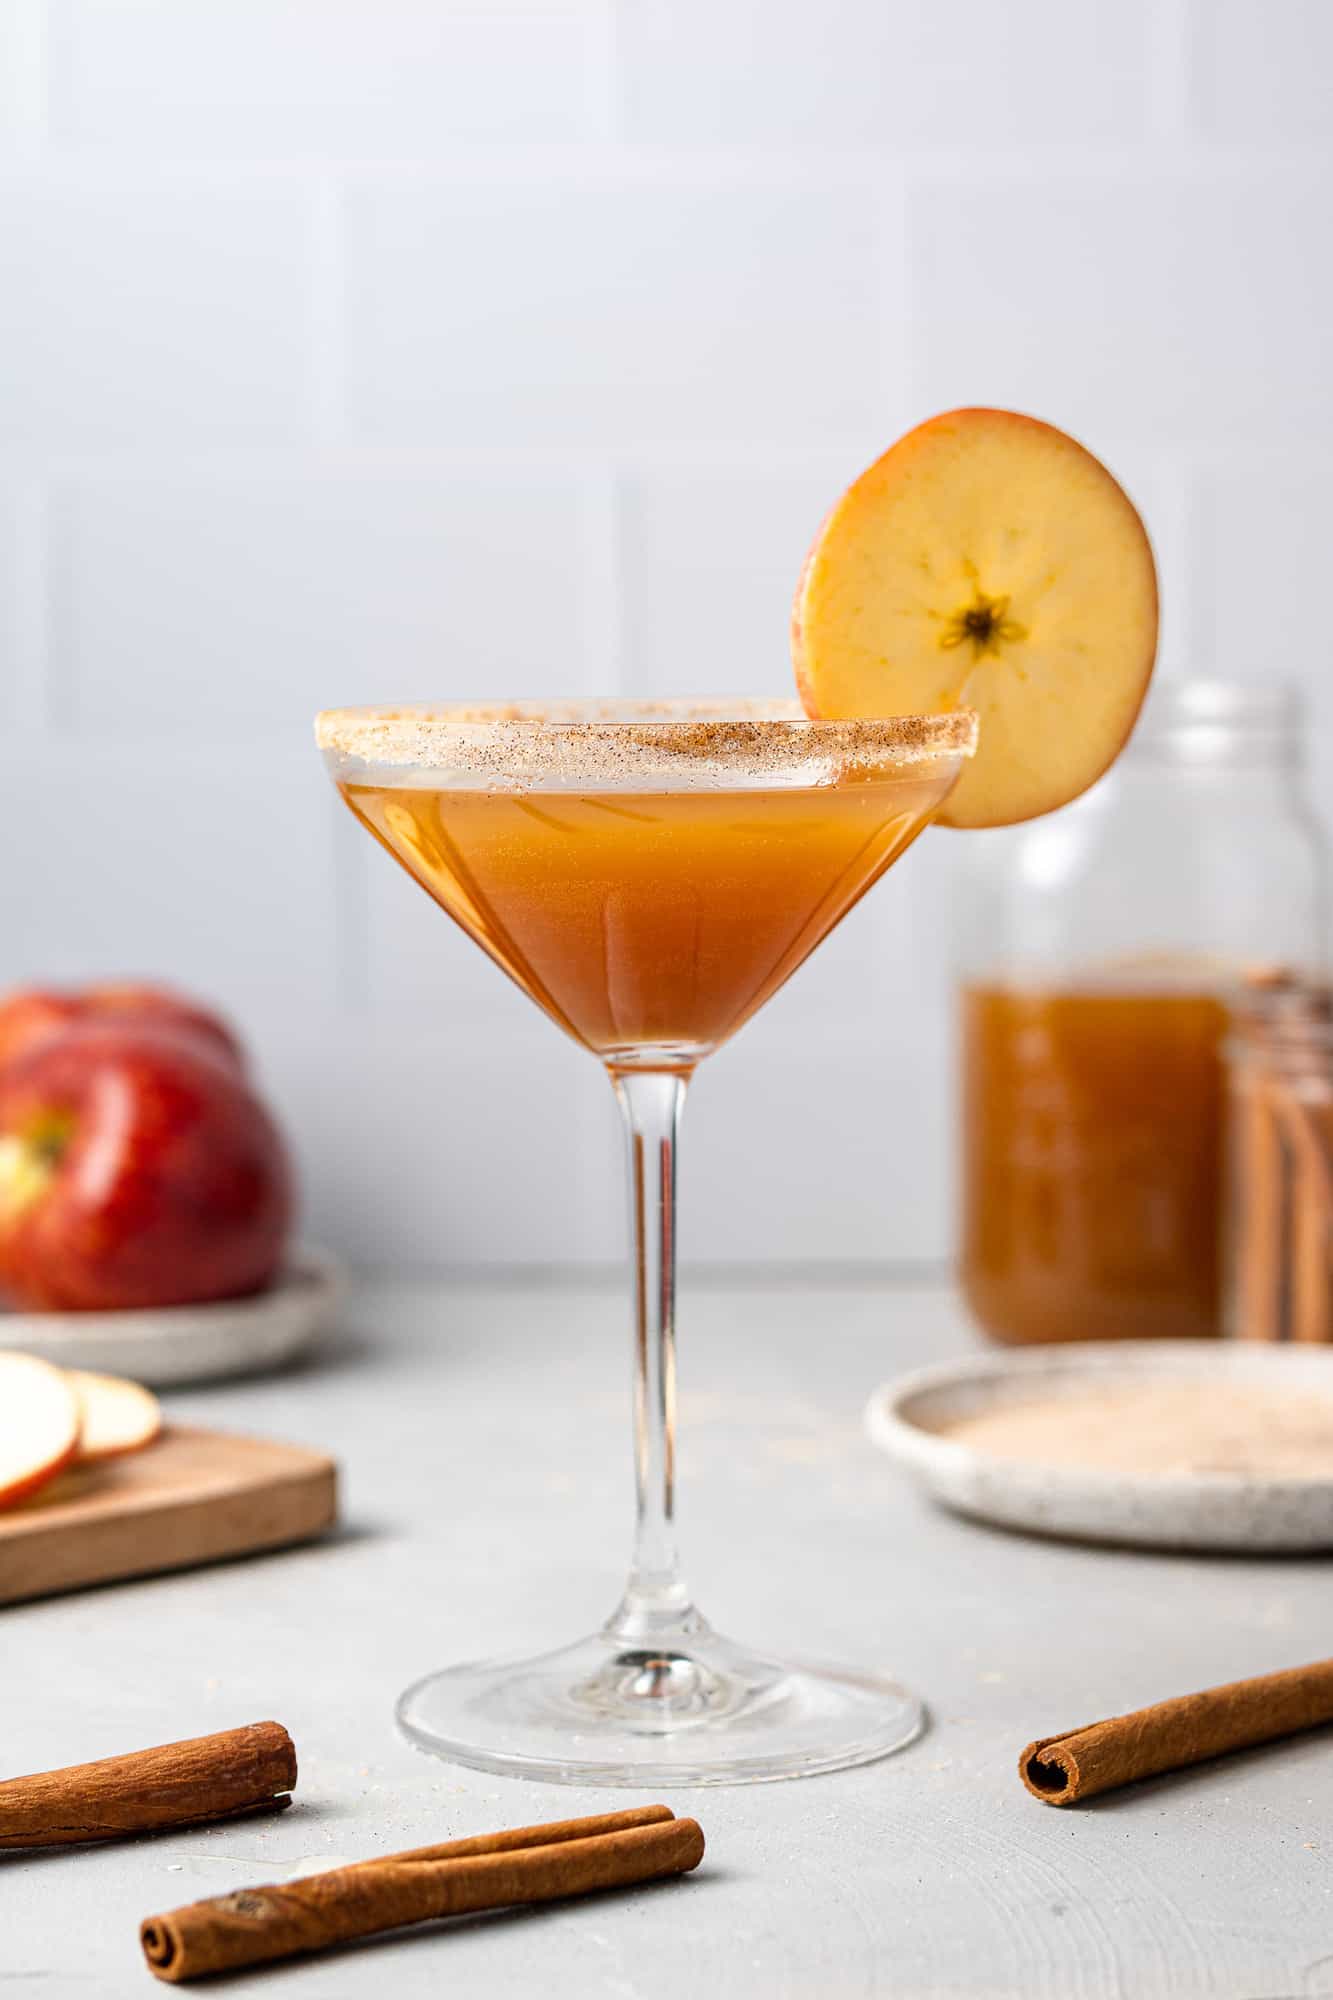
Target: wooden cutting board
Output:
[{"x": 193, "y": 1496}]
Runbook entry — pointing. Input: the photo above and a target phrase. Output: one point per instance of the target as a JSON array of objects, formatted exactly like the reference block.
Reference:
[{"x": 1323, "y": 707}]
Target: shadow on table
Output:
[
  {"x": 341, "y": 1535},
  {"x": 1203, "y": 1781},
  {"x": 341, "y": 1350},
  {"x": 1088, "y": 1548}
]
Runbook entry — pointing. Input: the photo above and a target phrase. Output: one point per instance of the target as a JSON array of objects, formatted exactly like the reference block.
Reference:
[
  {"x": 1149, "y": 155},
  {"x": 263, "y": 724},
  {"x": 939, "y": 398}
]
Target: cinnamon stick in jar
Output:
[
  {"x": 1260, "y": 1194},
  {"x": 1311, "y": 1220},
  {"x": 532, "y": 1864},
  {"x": 1079, "y": 1764},
  {"x": 174, "y": 1784},
  {"x": 1281, "y": 1238}
]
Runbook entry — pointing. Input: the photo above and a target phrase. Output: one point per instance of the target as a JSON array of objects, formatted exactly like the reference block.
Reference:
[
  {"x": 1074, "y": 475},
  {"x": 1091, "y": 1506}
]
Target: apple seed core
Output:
[{"x": 983, "y": 624}]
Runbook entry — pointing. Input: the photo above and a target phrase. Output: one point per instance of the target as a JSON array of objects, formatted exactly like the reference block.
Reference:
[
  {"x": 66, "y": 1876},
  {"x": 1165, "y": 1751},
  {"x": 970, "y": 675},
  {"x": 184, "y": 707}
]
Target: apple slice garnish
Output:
[
  {"x": 39, "y": 1424},
  {"x": 116, "y": 1415},
  {"x": 986, "y": 561}
]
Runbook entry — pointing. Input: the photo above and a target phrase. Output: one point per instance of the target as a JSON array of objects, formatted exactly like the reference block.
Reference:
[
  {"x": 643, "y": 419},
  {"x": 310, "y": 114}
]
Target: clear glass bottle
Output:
[{"x": 1100, "y": 949}]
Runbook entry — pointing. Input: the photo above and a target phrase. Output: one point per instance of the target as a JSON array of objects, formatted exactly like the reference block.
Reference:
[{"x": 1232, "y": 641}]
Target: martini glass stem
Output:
[{"x": 656, "y": 1603}]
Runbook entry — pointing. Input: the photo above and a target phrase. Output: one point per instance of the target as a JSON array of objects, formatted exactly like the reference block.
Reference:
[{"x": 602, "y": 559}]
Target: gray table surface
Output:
[{"x": 483, "y": 1433}]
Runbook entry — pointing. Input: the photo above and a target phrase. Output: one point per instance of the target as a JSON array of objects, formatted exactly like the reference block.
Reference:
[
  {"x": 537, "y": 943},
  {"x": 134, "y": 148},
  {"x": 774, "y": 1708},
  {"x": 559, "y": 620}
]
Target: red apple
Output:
[
  {"x": 137, "y": 1168},
  {"x": 39, "y": 1424},
  {"x": 33, "y": 1014}
]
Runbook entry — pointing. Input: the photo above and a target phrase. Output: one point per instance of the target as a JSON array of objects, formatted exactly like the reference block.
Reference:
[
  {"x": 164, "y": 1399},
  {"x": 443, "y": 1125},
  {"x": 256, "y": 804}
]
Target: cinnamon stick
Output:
[
  {"x": 532, "y": 1864},
  {"x": 1311, "y": 1272},
  {"x": 1263, "y": 1206},
  {"x": 1064, "y": 1770},
  {"x": 1281, "y": 1242},
  {"x": 174, "y": 1784},
  {"x": 1309, "y": 1276},
  {"x": 545, "y": 1834}
]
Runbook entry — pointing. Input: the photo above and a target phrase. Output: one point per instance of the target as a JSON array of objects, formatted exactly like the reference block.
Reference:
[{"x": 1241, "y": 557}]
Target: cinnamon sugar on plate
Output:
[{"x": 1162, "y": 1429}]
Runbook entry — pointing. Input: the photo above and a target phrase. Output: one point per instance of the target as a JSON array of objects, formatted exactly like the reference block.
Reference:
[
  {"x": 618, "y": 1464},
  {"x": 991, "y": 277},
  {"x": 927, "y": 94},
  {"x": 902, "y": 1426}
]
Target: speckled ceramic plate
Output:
[
  {"x": 174, "y": 1344},
  {"x": 1199, "y": 1510}
]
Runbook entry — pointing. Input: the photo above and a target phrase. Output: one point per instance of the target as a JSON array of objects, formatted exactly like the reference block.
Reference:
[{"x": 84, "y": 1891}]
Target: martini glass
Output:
[{"x": 648, "y": 874}]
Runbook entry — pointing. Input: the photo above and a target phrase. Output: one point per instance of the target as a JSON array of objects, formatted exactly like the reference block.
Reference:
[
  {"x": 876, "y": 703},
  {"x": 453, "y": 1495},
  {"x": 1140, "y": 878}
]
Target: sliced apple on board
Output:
[
  {"x": 39, "y": 1424},
  {"x": 986, "y": 561},
  {"x": 116, "y": 1415}
]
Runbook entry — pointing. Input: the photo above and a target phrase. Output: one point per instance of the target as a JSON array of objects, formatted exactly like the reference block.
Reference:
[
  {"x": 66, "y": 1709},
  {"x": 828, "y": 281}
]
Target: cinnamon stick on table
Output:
[
  {"x": 1063, "y": 1770},
  {"x": 527, "y": 1864},
  {"x": 175, "y": 1784}
]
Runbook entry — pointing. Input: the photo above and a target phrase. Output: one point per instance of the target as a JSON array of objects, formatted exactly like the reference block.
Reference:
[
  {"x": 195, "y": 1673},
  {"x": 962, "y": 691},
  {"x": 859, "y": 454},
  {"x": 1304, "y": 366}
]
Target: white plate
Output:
[
  {"x": 1182, "y": 1511},
  {"x": 164, "y": 1345}
]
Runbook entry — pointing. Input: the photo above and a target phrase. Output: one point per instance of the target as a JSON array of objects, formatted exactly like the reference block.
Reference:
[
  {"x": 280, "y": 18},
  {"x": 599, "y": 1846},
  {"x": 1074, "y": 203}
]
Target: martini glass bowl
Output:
[{"x": 648, "y": 873}]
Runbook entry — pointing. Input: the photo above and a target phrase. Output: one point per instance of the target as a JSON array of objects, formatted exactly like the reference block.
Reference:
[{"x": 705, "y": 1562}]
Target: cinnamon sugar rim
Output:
[{"x": 615, "y": 737}]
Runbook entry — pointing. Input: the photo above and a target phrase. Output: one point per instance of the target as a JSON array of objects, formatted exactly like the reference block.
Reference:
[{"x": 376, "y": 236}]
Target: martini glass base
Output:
[{"x": 660, "y": 1711}]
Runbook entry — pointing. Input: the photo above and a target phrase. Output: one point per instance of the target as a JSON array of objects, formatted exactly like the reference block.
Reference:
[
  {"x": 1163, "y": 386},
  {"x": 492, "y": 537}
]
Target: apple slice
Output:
[
  {"x": 39, "y": 1424},
  {"x": 986, "y": 561},
  {"x": 116, "y": 1415}
]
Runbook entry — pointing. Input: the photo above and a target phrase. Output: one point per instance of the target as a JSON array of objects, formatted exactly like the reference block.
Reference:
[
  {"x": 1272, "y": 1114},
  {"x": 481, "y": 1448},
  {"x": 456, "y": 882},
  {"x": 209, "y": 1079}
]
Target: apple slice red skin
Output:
[
  {"x": 32, "y": 1015},
  {"x": 87, "y": 1383},
  {"x": 174, "y": 1186},
  {"x": 42, "y": 1475},
  {"x": 23, "y": 1489}
]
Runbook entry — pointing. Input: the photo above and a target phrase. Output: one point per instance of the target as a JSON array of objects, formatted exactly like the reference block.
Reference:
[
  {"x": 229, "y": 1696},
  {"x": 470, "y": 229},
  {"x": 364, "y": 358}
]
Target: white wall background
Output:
[{"x": 377, "y": 349}]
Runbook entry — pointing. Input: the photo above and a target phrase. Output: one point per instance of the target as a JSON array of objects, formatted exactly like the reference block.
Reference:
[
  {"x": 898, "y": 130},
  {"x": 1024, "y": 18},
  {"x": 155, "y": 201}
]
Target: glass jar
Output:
[{"x": 1100, "y": 952}]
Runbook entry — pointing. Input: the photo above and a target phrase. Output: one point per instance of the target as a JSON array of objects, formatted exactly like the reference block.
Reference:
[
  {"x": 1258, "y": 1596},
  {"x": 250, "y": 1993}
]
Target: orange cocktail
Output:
[
  {"x": 649, "y": 874},
  {"x": 650, "y": 919},
  {"x": 1092, "y": 1160}
]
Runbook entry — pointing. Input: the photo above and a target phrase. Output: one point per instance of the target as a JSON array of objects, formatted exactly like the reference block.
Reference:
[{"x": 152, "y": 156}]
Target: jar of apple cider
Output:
[{"x": 1101, "y": 950}]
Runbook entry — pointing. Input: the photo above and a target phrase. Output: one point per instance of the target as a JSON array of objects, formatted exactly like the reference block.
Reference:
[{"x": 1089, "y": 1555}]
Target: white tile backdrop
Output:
[{"x": 361, "y": 349}]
